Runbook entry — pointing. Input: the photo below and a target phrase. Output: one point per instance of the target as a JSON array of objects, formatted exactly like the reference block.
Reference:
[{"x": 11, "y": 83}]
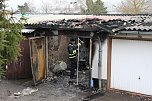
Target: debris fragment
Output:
[
  {"x": 17, "y": 94},
  {"x": 24, "y": 92},
  {"x": 28, "y": 91},
  {"x": 59, "y": 66}
]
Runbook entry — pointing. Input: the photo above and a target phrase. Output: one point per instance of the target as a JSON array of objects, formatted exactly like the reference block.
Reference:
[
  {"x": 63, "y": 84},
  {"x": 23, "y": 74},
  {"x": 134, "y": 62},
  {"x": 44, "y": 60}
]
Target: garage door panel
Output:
[{"x": 131, "y": 66}]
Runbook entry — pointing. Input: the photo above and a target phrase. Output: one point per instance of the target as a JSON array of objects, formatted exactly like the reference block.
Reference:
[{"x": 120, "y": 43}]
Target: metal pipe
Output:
[
  {"x": 90, "y": 60},
  {"x": 90, "y": 63},
  {"x": 46, "y": 54},
  {"x": 78, "y": 64},
  {"x": 99, "y": 64}
]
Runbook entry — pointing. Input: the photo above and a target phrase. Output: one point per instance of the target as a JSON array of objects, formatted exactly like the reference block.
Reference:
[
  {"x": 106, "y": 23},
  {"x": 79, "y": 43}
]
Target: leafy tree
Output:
[
  {"x": 133, "y": 6},
  {"x": 10, "y": 37},
  {"x": 24, "y": 8},
  {"x": 96, "y": 7},
  {"x": 90, "y": 7},
  {"x": 99, "y": 7}
]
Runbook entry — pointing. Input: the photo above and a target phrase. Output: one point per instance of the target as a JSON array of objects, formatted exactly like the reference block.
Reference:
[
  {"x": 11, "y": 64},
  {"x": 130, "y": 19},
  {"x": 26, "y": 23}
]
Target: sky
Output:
[{"x": 37, "y": 3}]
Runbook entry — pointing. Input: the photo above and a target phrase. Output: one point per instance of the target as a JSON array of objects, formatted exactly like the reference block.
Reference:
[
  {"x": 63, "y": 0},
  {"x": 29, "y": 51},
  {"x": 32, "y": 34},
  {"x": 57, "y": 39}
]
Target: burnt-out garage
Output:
[{"x": 48, "y": 55}]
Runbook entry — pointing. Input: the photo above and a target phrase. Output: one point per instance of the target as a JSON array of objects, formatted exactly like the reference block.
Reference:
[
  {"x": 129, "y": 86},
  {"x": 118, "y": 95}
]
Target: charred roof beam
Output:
[{"x": 102, "y": 27}]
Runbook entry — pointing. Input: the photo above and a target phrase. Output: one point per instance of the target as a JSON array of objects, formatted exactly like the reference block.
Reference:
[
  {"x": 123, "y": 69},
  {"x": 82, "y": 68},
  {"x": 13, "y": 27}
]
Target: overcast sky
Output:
[{"x": 37, "y": 3}]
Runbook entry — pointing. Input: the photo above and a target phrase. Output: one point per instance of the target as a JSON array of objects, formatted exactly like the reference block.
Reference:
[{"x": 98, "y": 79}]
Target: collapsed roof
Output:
[{"x": 112, "y": 23}]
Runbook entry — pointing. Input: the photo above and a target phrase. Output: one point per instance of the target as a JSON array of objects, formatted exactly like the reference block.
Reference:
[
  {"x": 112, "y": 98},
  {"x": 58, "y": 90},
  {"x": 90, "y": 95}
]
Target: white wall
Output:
[
  {"x": 103, "y": 60},
  {"x": 95, "y": 59}
]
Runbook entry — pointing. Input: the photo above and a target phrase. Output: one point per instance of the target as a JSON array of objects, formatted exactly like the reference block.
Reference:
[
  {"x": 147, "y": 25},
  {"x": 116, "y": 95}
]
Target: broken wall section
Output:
[{"x": 57, "y": 50}]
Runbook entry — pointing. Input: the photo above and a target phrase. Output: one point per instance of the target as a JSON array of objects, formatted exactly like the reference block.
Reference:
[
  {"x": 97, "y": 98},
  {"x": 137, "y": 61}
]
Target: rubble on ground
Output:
[
  {"x": 24, "y": 92},
  {"x": 59, "y": 66}
]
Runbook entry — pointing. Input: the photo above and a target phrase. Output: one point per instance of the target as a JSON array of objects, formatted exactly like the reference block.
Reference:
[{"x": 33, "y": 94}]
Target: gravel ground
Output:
[{"x": 57, "y": 89}]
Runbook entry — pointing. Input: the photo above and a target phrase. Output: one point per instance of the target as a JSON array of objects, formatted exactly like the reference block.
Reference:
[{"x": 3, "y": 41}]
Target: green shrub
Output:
[{"x": 10, "y": 37}]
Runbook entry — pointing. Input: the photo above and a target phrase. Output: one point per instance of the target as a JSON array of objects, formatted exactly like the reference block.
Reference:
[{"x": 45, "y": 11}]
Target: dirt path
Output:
[{"x": 55, "y": 90}]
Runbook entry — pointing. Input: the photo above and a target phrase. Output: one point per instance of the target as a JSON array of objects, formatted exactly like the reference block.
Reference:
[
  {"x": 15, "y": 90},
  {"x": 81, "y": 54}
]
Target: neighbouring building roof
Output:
[
  {"x": 34, "y": 19},
  {"x": 27, "y": 30}
]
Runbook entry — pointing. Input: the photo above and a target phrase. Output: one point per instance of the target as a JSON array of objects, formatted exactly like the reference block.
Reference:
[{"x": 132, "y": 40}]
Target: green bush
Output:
[{"x": 10, "y": 37}]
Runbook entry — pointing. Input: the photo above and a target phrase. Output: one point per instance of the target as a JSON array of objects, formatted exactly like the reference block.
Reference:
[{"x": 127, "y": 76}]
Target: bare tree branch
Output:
[
  {"x": 133, "y": 6},
  {"x": 46, "y": 7}
]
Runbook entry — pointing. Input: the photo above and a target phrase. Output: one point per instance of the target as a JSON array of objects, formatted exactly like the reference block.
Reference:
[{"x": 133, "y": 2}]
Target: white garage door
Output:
[{"x": 131, "y": 66}]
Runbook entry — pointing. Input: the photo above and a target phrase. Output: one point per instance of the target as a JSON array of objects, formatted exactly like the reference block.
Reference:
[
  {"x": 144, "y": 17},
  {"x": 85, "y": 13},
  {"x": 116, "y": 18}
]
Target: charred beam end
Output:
[{"x": 104, "y": 28}]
